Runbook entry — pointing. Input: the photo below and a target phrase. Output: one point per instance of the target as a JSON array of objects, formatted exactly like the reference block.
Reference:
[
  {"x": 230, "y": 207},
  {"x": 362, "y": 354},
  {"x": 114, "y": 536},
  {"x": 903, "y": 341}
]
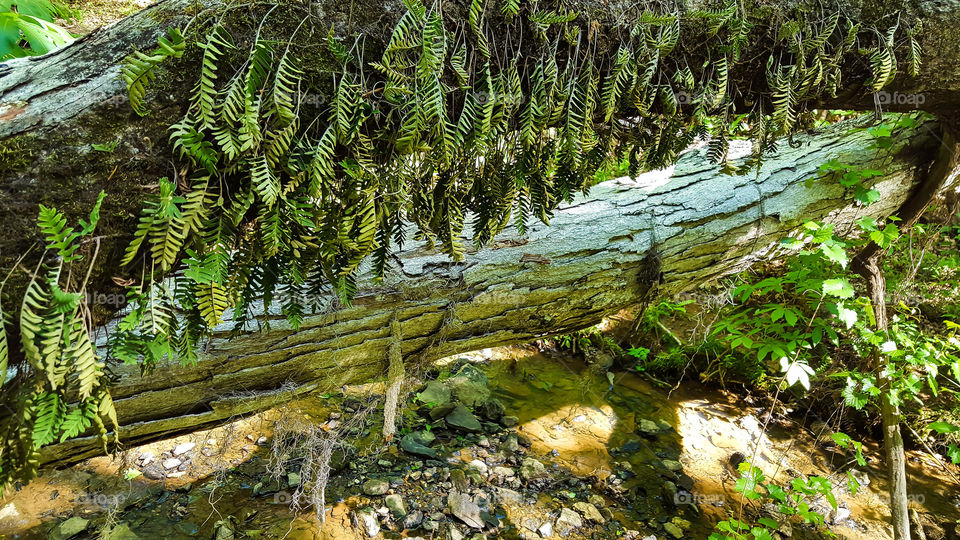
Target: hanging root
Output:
[{"x": 395, "y": 375}]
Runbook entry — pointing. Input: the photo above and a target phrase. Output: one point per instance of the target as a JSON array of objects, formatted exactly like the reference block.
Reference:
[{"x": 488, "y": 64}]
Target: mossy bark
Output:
[{"x": 592, "y": 260}]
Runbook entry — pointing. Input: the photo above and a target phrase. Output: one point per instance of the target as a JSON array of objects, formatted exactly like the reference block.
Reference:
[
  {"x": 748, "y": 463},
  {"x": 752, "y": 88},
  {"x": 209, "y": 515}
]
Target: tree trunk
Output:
[
  {"x": 628, "y": 242},
  {"x": 54, "y": 108},
  {"x": 869, "y": 264}
]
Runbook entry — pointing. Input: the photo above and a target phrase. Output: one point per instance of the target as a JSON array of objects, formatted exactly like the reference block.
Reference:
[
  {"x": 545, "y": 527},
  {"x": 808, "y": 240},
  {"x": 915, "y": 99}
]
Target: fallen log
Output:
[{"x": 628, "y": 242}]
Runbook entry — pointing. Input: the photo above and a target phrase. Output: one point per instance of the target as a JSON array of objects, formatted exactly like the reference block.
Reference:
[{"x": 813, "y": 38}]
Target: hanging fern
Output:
[{"x": 139, "y": 69}]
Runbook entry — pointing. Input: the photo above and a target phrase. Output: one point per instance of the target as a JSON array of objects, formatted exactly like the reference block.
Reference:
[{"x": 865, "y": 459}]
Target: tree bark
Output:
[
  {"x": 595, "y": 258},
  {"x": 54, "y": 108}
]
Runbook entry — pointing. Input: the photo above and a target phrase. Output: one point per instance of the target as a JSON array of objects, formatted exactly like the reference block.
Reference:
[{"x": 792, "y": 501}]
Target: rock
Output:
[
  {"x": 122, "y": 532},
  {"x": 463, "y": 508},
  {"x": 147, "y": 458},
  {"x": 463, "y": 419},
  {"x": 531, "y": 469},
  {"x": 431, "y": 525},
  {"x": 171, "y": 463},
  {"x": 504, "y": 472},
  {"x": 648, "y": 427},
  {"x": 568, "y": 521},
  {"x": 395, "y": 504},
  {"x": 436, "y": 393},
  {"x": 459, "y": 480},
  {"x": 469, "y": 386},
  {"x": 183, "y": 448},
  {"x": 680, "y": 522},
  {"x": 413, "y": 520},
  {"x": 453, "y": 533},
  {"x": 440, "y": 411},
  {"x": 546, "y": 530},
  {"x": 673, "y": 529},
  {"x": 509, "y": 495},
  {"x": 154, "y": 472},
  {"x": 478, "y": 466},
  {"x": 509, "y": 421},
  {"x": 9, "y": 512},
  {"x": 589, "y": 512},
  {"x": 597, "y": 500},
  {"x": 293, "y": 479},
  {"x": 673, "y": 465},
  {"x": 176, "y": 474},
  {"x": 664, "y": 425},
  {"x": 367, "y": 520},
  {"x": 510, "y": 444},
  {"x": 492, "y": 409},
  {"x": 375, "y": 487},
  {"x": 409, "y": 443},
  {"x": 69, "y": 528}
]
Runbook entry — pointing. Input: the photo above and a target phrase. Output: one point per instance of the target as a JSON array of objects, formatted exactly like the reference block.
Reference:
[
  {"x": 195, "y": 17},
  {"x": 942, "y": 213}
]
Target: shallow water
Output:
[{"x": 575, "y": 418}]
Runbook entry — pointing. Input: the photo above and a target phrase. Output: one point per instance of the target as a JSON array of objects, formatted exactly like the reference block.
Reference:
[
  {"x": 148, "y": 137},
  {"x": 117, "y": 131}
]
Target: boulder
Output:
[
  {"x": 464, "y": 509},
  {"x": 463, "y": 419},
  {"x": 469, "y": 386}
]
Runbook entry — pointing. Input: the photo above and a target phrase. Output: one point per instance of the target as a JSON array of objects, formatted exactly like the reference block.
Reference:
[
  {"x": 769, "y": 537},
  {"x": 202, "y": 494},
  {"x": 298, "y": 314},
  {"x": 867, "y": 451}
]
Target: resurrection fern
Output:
[
  {"x": 61, "y": 386},
  {"x": 139, "y": 69}
]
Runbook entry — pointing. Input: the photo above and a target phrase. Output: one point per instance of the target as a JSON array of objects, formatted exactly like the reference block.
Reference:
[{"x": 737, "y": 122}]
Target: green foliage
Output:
[
  {"x": 139, "y": 69},
  {"x": 27, "y": 27},
  {"x": 61, "y": 361}
]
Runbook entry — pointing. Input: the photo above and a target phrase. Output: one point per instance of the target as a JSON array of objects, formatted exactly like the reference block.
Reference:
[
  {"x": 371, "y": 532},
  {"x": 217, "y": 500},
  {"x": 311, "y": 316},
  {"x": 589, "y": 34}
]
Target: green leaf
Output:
[
  {"x": 838, "y": 287},
  {"x": 943, "y": 428}
]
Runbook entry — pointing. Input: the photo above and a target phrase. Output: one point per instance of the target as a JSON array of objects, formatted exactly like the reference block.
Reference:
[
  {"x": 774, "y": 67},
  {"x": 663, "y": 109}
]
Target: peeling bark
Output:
[{"x": 591, "y": 261}]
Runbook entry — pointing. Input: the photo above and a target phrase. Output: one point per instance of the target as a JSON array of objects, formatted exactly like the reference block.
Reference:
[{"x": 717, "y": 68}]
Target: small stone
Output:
[
  {"x": 375, "y": 487},
  {"x": 431, "y": 525},
  {"x": 147, "y": 458},
  {"x": 413, "y": 520},
  {"x": 153, "y": 472},
  {"x": 459, "y": 480},
  {"x": 531, "y": 469},
  {"x": 68, "y": 528},
  {"x": 171, "y": 463},
  {"x": 674, "y": 530},
  {"x": 436, "y": 393},
  {"x": 568, "y": 521},
  {"x": 463, "y": 419},
  {"x": 478, "y": 466},
  {"x": 648, "y": 427},
  {"x": 510, "y": 444},
  {"x": 395, "y": 504},
  {"x": 505, "y": 472},
  {"x": 546, "y": 530},
  {"x": 261, "y": 441},
  {"x": 367, "y": 519},
  {"x": 597, "y": 501},
  {"x": 680, "y": 522},
  {"x": 176, "y": 474},
  {"x": 183, "y": 448},
  {"x": 411, "y": 444},
  {"x": 484, "y": 442},
  {"x": 465, "y": 509},
  {"x": 673, "y": 465},
  {"x": 589, "y": 512},
  {"x": 509, "y": 421},
  {"x": 293, "y": 479}
]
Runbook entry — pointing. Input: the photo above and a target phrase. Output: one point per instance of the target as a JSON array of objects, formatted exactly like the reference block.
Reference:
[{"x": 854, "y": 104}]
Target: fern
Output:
[{"x": 139, "y": 69}]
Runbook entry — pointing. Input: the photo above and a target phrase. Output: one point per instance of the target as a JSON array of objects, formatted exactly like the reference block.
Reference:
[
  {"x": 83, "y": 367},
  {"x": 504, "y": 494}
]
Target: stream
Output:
[{"x": 504, "y": 443}]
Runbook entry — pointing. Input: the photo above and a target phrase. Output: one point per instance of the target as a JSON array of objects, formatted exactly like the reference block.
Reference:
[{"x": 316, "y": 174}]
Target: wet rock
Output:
[
  {"x": 69, "y": 528},
  {"x": 367, "y": 520},
  {"x": 183, "y": 448},
  {"x": 589, "y": 512},
  {"x": 672, "y": 465},
  {"x": 453, "y": 533},
  {"x": 568, "y": 521},
  {"x": 122, "y": 532},
  {"x": 375, "y": 487},
  {"x": 459, "y": 480},
  {"x": 546, "y": 530},
  {"x": 597, "y": 501},
  {"x": 469, "y": 386},
  {"x": 438, "y": 412},
  {"x": 531, "y": 469},
  {"x": 395, "y": 505},
  {"x": 463, "y": 419},
  {"x": 673, "y": 530},
  {"x": 413, "y": 520},
  {"x": 492, "y": 409},
  {"x": 436, "y": 393},
  {"x": 464, "y": 509},
  {"x": 171, "y": 463},
  {"x": 503, "y": 472},
  {"x": 509, "y": 421},
  {"x": 410, "y": 444},
  {"x": 648, "y": 428},
  {"x": 509, "y": 495},
  {"x": 510, "y": 444},
  {"x": 431, "y": 525}
]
